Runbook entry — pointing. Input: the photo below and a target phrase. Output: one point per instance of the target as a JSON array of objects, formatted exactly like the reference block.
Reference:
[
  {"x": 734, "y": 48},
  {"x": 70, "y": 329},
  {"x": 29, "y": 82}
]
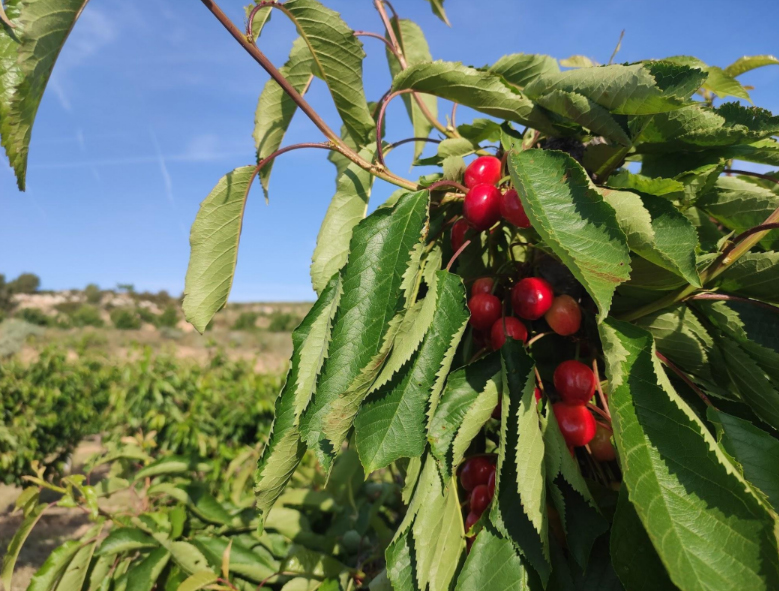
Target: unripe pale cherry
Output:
[
  {"x": 576, "y": 423},
  {"x": 475, "y": 471},
  {"x": 482, "y": 285},
  {"x": 480, "y": 499},
  {"x": 564, "y": 316},
  {"x": 601, "y": 447},
  {"x": 485, "y": 310},
  {"x": 485, "y": 170},
  {"x": 459, "y": 229},
  {"x": 575, "y": 382},
  {"x": 532, "y": 297},
  {"x": 512, "y": 210},
  {"x": 482, "y": 206},
  {"x": 508, "y": 326}
]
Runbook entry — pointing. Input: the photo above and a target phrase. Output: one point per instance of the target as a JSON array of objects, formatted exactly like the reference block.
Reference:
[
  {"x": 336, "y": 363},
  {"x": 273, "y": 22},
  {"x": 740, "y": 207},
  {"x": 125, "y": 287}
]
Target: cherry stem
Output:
[
  {"x": 758, "y": 175},
  {"x": 685, "y": 378},
  {"x": 255, "y": 10},
  {"x": 457, "y": 254},
  {"x": 601, "y": 393},
  {"x": 379, "y": 37},
  {"x": 380, "y": 120},
  {"x": 408, "y": 140},
  {"x": 454, "y": 184},
  {"x": 279, "y": 152},
  {"x": 731, "y": 298},
  {"x": 747, "y": 233},
  {"x": 599, "y": 410},
  {"x": 454, "y": 112},
  {"x": 605, "y": 426},
  {"x": 537, "y": 338}
]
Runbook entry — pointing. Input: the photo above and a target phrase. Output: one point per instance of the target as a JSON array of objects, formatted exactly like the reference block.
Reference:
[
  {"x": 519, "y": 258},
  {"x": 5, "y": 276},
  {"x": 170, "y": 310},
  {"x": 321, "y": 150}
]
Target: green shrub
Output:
[
  {"x": 13, "y": 334},
  {"x": 25, "y": 283},
  {"x": 283, "y": 322},
  {"x": 35, "y": 316},
  {"x": 87, "y": 315},
  {"x": 68, "y": 307},
  {"x": 125, "y": 319},
  {"x": 169, "y": 317},
  {"x": 148, "y": 316},
  {"x": 246, "y": 321},
  {"x": 93, "y": 293}
]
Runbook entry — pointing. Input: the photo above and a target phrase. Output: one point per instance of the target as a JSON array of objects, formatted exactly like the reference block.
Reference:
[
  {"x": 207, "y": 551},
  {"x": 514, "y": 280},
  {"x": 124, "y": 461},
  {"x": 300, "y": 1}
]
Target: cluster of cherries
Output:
[{"x": 477, "y": 477}]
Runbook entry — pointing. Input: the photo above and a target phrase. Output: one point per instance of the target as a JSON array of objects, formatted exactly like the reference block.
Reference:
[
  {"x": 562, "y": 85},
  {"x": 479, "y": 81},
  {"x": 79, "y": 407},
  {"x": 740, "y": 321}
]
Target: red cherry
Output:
[
  {"x": 475, "y": 471},
  {"x": 480, "y": 499},
  {"x": 574, "y": 381},
  {"x": 565, "y": 316},
  {"x": 497, "y": 409},
  {"x": 600, "y": 446},
  {"x": 513, "y": 328},
  {"x": 512, "y": 211},
  {"x": 576, "y": 423},
  {"x": 531, "y": 298},
  {"x": 537, "y": 394},
  {"x": 485, "y": 170},
  {"x": 459, "y": 229},
  {"x": 485, "y": 310},
  {"x": 482, "y": 285},
  {"x": 491, "y": 485},
  {"x": 482, "y": 206},
  {"x": 470, "y": 521}
]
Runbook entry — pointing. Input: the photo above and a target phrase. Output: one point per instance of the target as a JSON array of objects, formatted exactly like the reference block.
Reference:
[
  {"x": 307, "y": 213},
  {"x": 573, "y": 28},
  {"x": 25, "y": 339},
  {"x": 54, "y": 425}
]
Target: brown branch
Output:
[
  {"x": 380, "y": 38},
  {"x": 408, "y": 140},
  {"x": 323, "y": 145},
  {"x": 255, "y": 10},
  {"x": 685, "y": 378},
  {"x": 380, "y": 121},
  {"x": 731, "y": 298},
  {"x": 454, "y": 112},
  {"x": 758, "y": 175}
]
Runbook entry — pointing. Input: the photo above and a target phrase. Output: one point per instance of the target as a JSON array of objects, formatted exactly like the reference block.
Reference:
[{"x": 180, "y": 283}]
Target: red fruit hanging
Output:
[
  {"x": 512, "y": 210},
  {"x": 510, "y": 326},
  {"x": 482, "y": 206},
  {"x": 532, "y": 297},
  {"x": 564, "y": 316},
  {"x": 459, "y": 229},
  {"x": 485, "y": 170},
  {"x": 480, "y": 499},
  {"x": 537, "y": 394},
  {"x": 491, "y": 485},
  {"x": 482, "y": 285},
  {"x": 470, "y": 521},
  {"x": 576, "y": 423},
  {"x": 475, "y": 471},
  {"x": 600, "y": 446},
  {"x": 485, "y": 310},
  {"x": 575, "y": 382}
]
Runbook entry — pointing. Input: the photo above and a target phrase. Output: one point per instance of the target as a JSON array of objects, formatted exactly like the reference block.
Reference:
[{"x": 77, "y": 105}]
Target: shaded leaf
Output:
[
  {"x": 585, "y": 112},
  {"x": 520, "y": 69},
  {"x": 125, "y": 539},
  {"x": 47, "y": 577},
  {"x": 143, "y": 576},
  {"x": 754, "y": 275},
  {"x": 251, "y": 564},
  {"x": 493, "y": 564}
]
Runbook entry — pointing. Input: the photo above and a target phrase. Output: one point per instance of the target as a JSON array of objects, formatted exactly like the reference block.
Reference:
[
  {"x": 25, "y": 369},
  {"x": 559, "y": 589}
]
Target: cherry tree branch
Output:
[
  {"x": 413, "y": 139},
  {"x": 454, "y": 184},
  {"x": 386, "y": 41}
]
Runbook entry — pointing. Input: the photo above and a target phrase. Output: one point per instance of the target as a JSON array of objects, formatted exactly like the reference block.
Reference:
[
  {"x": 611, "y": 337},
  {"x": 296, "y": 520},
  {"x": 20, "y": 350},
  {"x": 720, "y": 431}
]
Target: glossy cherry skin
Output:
[
  {"x": 480, "y": 499},
  {"x": 482, "y": 285},
  {"x": 482, "y": 206},
  {"x": 459, "y": 229},
  {"x": 576, "y": 423},
  {"x": 485, "y": 310},
  {"x": 601, "y": 447},
  {"x": 491, "y": 485},
  {"x": 475, "y": 471},
  {"x": 565, "y": 316},
  {"x": 574, "y": 381},
  {"x": 470, "y": 521},
  {"x": 513, "y": 328},
  {"x": 485, "y": 170},
  {"x": 532, "y": 297},
  {"x": 512, "y": 210}
]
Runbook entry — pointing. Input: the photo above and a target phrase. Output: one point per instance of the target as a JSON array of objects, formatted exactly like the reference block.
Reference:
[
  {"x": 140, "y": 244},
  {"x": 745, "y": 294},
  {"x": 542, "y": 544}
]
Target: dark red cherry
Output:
[
  {"x": 510, "y": 326},
  {"x": 475, "y": 471},
  {"x": 480, "y": 499},
  {"x": 537, "y": 394},
  {"x": 470, "y": 521},
  {"x": 576, "y": 423},
  {"x": 564, "y": 316},
  {"x": 496, "y": 411},
  {"x": 459, "y": 229},
  {"x": 532, "y": 297},
  {"x": 512, "y": 210},
  {"x": 574, "y": 381},
  {"x": 482, "y": 285},
  {"x": 491, "y": 485},
  {"x": 485, "y": 170},
  {"x": 485, "y": 310},
  {"x": 482, "y": 206},
  {"x": 600, "y": 446}
]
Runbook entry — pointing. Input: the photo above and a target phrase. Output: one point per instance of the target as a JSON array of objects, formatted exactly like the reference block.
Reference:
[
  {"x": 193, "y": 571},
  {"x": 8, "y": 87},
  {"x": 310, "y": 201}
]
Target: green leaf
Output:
[
  {"x": 243, "y": 561},
  {"x": 494, "y": 565},
  {"x": 347, "y": 208},
  {"x": 285, "y": 448},
  {"x": 214, "y": 239},
  {"x": 480, "y": 130},
  {"x": 206, "y": 506},
  {"x": 261, "y": 18},
  {"x": 438, "y": 10},
  {"x": 309, "y": 562},
  {"x": 16, "y": 543},
  {"x": 44, "y": 25},
  {"x": 750, "y": 62},
  {"x": 76, "y": 573},
  {"x": 10, "y": 73},
  {"x": 392, "y": 422},
  {"x": 473, "y": 88},
  {"x": 199, "y": 581},
  {"x": 624, "y": 179},
  {"x": 756, "y": 452},
  {"x": 384, "y": 256},
  {"x": 717, "y": 80},
  {"x": 125, "y": 539},
  {"x": 338, "y": 55},
  {"x": 754, "y": 275},
  {"x": 740, "y": 205},
  {"x": 634, "y": 558},
  {"x": 188, "y": 557},
  {"x": 47, "y": 577},
  {"x": 143, "y": 576},
  {"x": 573, "y": 219},
  {"x": 673, "y": 469},
  {"x": 416, "y": 50},
  {"x": 657, "y": 231},
  {"x": 585, "y": 112},
  {"x": 578, "y": 61},
  {"x": 520, "y": 69},
  {"x": 165, "y": 465},
  {"x": 520, "y": 473},
  {"x": 276, "y": 108},
  {"x": 638, "y": 89},
  {"x": 458, "y": 408}
]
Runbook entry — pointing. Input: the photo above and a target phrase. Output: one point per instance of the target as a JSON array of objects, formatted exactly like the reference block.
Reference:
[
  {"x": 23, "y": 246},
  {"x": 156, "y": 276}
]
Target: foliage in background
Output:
[{"x": 126, "y": 318}]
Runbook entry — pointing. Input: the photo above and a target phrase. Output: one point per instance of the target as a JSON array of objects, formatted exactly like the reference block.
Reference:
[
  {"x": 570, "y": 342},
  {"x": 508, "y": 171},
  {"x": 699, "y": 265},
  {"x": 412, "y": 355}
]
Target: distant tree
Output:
[
  {"x": 35, "y": 316},
  {"x": 169, "y": 317},
  {"x": 125, "y": 319},
  {"x": 87, "y": 315},
  {"x": 246, "y": 321},
  {"x": 283, "y": 322},
  {"x": 128, "y": 287},
  {"x": 5, "y": 294},
  {"x": 25, "y": 283},
  {"x": 147, "y": 315},
  {"x": 92, "y": 293}
]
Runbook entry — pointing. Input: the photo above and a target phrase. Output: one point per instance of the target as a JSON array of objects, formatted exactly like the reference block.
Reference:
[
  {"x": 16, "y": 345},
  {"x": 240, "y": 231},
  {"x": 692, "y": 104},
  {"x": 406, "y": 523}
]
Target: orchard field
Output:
[{"x": 546, "y": 360}]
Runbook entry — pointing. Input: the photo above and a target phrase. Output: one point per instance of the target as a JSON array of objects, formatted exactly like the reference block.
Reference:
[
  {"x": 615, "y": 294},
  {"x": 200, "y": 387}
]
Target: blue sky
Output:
[{"x": 152, "y": 102}]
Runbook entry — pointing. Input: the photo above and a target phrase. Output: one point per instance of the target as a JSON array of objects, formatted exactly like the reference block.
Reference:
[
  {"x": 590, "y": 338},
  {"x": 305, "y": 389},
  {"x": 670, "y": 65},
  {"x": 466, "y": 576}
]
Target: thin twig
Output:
[
  {"x": 380, "y": 38},
  {"x": 747, "y": 233},
  {"x": 454, "y": 112},
  {"x": 537, "y": 338},
  {"x": 601, "y": 394},
  {"x": 250, "y": 21},
  {"x": 454, "y": 184},
  {"x": 731, "y": 298},
  {"x": 599, "y": 410},
  {"x": 617, "y": 48},
  {"x": 408, "y": 140},
  {"x": 380, "y": 121},
  {"x": 758, "y": 175},
  {"x": 284, "y": 150},
  {"x": 685, "y": 378},
  {"x": 457, "y": 254}
]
